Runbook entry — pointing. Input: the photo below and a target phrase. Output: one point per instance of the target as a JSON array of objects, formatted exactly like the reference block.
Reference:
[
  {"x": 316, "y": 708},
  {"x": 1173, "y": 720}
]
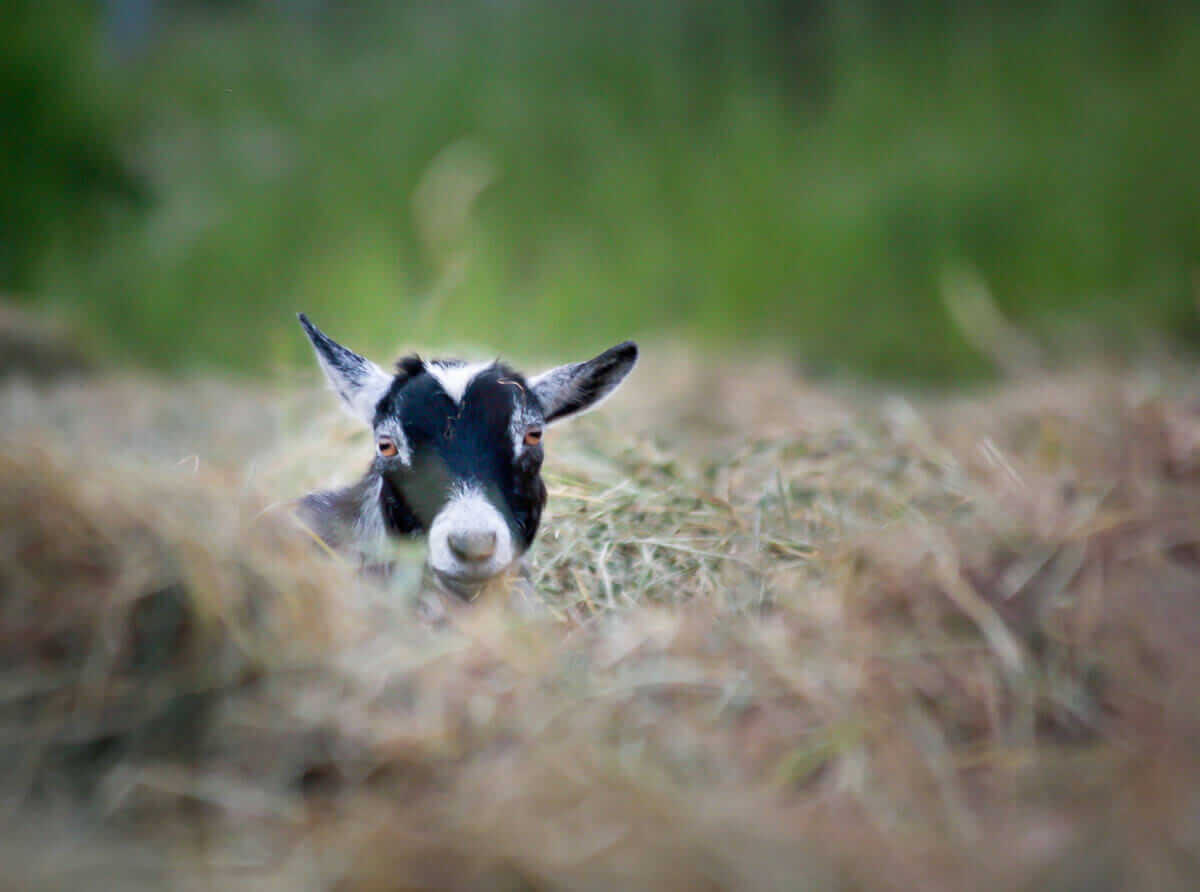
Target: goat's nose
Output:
[{"x": 473, "y": 545}]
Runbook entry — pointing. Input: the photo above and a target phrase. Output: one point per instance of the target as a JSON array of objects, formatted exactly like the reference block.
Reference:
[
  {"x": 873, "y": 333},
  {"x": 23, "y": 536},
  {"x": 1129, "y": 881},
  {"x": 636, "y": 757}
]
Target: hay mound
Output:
[
  {"x": 787, "y": 637},
  {"x": 131, "y": 601}
]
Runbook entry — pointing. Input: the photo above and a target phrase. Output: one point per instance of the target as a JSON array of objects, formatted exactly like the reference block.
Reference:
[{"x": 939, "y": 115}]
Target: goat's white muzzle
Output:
[{"x": 469, "y": 541}]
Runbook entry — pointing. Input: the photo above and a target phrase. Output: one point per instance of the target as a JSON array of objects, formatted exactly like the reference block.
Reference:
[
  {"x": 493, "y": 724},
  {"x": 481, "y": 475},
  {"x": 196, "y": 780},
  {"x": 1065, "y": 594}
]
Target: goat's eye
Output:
[
  {"x": 533, "y": 437},
  {"x": 386, "y": 446}
]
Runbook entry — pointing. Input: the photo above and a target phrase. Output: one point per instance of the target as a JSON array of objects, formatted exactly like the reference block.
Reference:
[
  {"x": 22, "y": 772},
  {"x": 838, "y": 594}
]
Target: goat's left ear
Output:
[
  {"x": 359, "y": 382},
  {"x": 571, "y": 389}
]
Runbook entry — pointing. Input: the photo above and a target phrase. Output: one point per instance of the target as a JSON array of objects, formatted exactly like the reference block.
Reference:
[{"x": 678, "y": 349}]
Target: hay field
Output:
[{"x": 777, "y": 635}]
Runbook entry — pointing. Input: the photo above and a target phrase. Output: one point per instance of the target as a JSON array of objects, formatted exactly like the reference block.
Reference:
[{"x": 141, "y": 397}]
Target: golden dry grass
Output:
[{"x": 778, "y": 636}]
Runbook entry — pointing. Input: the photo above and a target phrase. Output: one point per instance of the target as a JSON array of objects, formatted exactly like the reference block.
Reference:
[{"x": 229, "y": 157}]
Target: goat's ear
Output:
[
  {"x": 571, "y": 389},
  {"x": 359, "y": 382}
]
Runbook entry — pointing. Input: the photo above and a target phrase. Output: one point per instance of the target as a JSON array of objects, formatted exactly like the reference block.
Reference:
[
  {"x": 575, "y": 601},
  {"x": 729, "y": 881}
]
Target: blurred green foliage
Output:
[
  {"x": 543, "y": 177},
  {"x": 62, "y": 174}
]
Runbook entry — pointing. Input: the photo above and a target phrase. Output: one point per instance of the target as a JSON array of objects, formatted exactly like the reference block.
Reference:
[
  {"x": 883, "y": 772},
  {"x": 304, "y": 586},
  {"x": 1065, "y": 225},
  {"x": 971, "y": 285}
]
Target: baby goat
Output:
[{"x": 458, "y": 453}]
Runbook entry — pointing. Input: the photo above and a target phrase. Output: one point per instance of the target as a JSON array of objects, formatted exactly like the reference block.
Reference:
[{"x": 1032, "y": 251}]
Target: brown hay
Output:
[
  {"x": 130, "y": 602},
  {"x": 783, "y": 638}
]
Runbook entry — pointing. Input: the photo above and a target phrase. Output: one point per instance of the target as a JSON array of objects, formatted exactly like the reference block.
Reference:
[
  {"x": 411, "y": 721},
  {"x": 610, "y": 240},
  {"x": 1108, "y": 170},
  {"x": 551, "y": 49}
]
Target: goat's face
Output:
[{"x": 459, "y": 447}]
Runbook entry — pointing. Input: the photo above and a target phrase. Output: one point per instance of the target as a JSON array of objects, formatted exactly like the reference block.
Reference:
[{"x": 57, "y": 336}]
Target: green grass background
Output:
[{"x": 547, "y": 178}]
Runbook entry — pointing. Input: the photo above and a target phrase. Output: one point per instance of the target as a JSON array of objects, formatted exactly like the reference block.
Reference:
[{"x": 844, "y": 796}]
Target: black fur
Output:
[
  {"x": 409, "y": 367},
  {"x": 398, "y": 518},
  {"x": 465, "y": 442}
]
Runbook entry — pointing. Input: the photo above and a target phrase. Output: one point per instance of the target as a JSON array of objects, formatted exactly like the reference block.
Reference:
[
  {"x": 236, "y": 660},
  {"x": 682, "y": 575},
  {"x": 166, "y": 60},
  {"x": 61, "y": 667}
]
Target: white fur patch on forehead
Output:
[{"x": 456, "y": 376}]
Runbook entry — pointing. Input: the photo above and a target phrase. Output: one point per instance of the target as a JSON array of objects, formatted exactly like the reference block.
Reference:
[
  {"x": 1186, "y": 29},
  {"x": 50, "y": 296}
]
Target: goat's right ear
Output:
[
  {"x": 359, "y": 382},
  {"x": 575, "y": 388}
]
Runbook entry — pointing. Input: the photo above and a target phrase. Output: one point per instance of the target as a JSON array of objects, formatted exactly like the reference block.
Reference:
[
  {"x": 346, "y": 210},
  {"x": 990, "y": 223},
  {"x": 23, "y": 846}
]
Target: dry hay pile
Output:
[{"x": 784, "y": 637}]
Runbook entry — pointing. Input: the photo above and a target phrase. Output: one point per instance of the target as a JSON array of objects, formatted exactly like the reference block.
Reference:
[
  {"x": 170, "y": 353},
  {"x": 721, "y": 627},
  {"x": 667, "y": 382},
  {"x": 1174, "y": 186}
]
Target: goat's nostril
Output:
[{"x": 473, "y": 545}]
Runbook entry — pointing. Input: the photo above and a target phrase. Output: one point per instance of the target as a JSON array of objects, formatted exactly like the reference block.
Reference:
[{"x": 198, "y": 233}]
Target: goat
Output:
[{"x": 458, "y": 454}]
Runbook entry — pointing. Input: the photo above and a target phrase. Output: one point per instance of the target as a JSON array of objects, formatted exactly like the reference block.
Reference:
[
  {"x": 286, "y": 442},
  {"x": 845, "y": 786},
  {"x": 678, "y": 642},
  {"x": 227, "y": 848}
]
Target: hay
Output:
[{"x": 783, "y": 636}]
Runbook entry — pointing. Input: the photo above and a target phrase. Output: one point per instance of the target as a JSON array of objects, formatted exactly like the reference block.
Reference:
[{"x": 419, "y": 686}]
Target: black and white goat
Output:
[{"x": 458, "y": 454}]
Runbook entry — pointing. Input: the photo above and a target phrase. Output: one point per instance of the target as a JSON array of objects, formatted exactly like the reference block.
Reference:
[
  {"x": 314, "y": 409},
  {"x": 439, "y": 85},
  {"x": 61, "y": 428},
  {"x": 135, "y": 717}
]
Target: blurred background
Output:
[{"x": 860, "y": 186}]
